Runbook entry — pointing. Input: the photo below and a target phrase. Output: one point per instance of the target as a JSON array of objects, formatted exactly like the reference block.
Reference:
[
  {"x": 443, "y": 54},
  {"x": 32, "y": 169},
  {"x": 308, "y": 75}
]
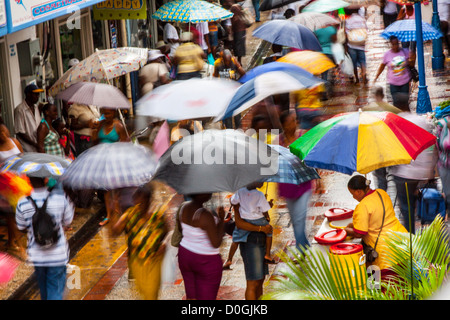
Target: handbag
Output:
[
  {"x": 414, "y": 73},
  {"x": 246, "y": 17},
  {"x": 340, "y": 35},
  {"x": 177, "y": 234},
  {"x": 357, "y": 37},
  {"x": 412, "y": 70},
  {"x": 347, "y": 65},
  {"x": 370, "y": 252}
]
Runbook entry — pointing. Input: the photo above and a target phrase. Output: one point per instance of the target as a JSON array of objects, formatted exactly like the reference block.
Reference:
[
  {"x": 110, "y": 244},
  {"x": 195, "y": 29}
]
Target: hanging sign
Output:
[
  {"x": 120, "y": 9},
  {"x": 25, "y": 13}
]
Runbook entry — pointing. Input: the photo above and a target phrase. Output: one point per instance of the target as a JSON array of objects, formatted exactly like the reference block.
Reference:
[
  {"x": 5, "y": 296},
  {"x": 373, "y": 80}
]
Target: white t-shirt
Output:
[
  {"x": 202, "y": 28},
  {"x": 170, "y": 32},
  {"x": 252, "y": 203}
]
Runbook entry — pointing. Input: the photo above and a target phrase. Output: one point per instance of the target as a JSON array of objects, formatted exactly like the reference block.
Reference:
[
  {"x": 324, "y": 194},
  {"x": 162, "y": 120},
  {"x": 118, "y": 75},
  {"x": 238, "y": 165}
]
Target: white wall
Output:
[{"x": 16, "y": 90}]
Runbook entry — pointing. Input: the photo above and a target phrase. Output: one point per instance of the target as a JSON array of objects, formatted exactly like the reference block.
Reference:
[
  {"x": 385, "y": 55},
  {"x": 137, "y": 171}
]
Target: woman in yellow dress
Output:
[
  {"x": 146, "y": 230},
  {"x": 368, "y": 220}
]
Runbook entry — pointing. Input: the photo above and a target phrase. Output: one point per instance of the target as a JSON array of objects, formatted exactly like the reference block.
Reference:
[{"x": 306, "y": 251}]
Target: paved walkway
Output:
[{"x": 102, "y": 263}]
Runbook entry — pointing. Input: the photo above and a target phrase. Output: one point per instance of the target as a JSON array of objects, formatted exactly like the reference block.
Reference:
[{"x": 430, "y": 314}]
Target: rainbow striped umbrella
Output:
[
  {"x": 191, "y": 11},
  {"x": 312, "y": 61},
  {"x": 362, "y": 142}
]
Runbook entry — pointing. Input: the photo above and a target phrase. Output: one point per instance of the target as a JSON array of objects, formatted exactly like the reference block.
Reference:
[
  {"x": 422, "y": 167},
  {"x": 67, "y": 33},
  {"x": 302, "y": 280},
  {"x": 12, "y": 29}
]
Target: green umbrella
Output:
[{"x": 325, "y": 6}]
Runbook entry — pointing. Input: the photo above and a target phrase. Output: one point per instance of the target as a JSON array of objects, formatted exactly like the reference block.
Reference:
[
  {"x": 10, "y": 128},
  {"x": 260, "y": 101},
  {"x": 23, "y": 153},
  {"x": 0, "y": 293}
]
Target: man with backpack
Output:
[{"x": 43, "y": 215}]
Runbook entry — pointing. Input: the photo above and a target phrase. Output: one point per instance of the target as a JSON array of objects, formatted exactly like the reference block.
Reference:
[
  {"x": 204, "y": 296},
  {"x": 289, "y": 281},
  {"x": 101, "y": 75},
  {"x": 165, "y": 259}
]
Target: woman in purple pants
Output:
[{"x": 198, "y": 254}]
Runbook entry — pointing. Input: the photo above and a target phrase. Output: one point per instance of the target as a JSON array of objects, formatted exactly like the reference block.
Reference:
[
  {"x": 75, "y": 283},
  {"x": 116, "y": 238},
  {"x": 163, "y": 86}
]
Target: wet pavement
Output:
[{"x": 98, "y": 265}]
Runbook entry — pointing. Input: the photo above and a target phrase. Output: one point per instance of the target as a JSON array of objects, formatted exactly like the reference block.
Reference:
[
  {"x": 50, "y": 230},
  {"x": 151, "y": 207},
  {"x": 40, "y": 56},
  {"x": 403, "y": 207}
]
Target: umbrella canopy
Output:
[
  {"x": 291, "y": 169},
  {"x": 314, "y": 20},
  {"x": 273, "y": 4},
  {"x": 288, "y": 33},
  {"x": 96, "y": 94},
  {"x": 363, "y": 3},
  {"x": 110, "y": 166},
  {"x": 325, "y": 6},
  {"x": 8, "y": 266},
  {"x": 191, "y": 11},
  {"x": 274, "y": 66},
  {"x": 188, "y": 99},
  {"x": 403, "y": 2},
  {"x": 265, "y": 85},
  {"x": 362, "y": 142},
  {"x": 214, "y": 161},
  {"x": 405, "y": 30},
  {"x": 311, "y": 61},
  {"x": 102, "y": 66},
  {"x": 35, "y": 164}
]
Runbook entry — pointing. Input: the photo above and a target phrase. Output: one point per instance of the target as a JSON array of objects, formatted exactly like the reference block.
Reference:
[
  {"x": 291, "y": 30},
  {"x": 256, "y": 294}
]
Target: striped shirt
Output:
[{"x": 62, "y": 210}]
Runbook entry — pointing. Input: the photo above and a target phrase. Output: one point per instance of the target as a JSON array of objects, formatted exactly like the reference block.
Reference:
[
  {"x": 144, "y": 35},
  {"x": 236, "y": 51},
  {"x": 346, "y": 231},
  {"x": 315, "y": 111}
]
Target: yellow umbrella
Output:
[{"x": 312, "y": 61}]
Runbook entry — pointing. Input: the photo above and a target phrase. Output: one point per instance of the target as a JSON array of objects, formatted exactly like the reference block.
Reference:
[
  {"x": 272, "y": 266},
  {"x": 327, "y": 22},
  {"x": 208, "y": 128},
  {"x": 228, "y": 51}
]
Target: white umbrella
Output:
[
  {"x": 102, "y": 66},
  {"x": 96, "y": 94},
  {"x": 188, "y": 99},
  {"x": 314, "y": 20},
  {"x": 109, "y": 166}
]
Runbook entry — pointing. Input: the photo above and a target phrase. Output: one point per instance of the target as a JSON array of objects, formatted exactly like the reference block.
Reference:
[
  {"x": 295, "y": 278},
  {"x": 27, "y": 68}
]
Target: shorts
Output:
[
  {"x": 240, "y": 235},
  {"x": 252, "y": 253},
  {"x": 358, "y": 57}
]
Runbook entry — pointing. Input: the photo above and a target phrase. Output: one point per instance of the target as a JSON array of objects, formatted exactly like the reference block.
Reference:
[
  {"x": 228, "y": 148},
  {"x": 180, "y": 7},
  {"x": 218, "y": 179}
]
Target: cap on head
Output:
[{"x": 32, "y": 88}]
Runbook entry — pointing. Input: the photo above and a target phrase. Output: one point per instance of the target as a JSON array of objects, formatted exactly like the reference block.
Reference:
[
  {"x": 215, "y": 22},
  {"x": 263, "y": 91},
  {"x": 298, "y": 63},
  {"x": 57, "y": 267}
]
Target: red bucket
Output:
[
  {"x": 331, "y": 237},
  {"x": 335, "y": 214}
]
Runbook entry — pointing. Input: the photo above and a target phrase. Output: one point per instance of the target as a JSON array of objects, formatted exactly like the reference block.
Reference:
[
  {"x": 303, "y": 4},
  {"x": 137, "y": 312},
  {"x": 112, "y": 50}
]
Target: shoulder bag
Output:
[
  {"x": 412, "y": 70},
  {"x": 371, "y": 253}
]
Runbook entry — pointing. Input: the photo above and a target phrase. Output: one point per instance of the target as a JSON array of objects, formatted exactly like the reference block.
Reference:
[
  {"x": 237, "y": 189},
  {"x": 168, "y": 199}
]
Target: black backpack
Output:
[{"x": 45, "y": 229}]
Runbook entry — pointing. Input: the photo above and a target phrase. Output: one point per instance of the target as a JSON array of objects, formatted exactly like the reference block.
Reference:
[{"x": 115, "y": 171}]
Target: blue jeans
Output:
[
  {"x": 358, "y": 57},
  {"x": 51, "y": 281},
  {"x": 400, "y": 96},
  {"x": 403, "y": 200},
  {"x": 256, "y": 6},
  {"x": 298, "y": 209}
]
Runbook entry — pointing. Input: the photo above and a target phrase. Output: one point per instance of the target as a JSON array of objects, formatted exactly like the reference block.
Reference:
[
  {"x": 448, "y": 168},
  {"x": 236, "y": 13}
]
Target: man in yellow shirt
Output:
[
  {"x": 188, "y": 58},
  {"x": 368, "y": 219}
]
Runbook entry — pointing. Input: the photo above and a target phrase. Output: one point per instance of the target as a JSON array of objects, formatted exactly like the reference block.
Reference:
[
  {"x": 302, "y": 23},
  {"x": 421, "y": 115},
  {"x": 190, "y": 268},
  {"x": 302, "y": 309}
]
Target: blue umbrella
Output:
[
  {"x": 266, "y": 85},
  {"x": 274, "y": 66},
  {"x": 405, "y": 30},
  {"x": 288, "y": 33},
  {"x": 291, "y": 169}
]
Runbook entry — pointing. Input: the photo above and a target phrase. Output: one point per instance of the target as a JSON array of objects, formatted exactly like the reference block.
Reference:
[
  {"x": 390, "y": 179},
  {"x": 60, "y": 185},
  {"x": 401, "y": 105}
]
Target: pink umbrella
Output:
[{"x": 8, "y": 265}]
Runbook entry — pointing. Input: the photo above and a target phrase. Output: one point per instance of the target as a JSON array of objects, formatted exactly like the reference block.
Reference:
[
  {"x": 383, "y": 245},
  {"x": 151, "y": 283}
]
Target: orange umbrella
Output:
[{"x": 311, "y": 61}]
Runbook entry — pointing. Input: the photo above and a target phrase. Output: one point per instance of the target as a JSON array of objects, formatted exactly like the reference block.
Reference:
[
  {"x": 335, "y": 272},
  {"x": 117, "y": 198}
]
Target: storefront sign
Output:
[
  {"x": 3, "y": 28},
  {"x": 120, "y": 9},
  {"x": 25, "y": 13}
]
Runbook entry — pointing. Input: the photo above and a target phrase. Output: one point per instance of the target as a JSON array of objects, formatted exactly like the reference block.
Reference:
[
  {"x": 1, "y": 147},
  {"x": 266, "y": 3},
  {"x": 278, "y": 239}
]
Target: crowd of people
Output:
[{"x": 182, "y": 55}]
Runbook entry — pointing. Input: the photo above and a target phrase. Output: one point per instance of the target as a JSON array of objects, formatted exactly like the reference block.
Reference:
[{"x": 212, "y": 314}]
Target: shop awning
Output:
[{"x": 21, "y": 14}]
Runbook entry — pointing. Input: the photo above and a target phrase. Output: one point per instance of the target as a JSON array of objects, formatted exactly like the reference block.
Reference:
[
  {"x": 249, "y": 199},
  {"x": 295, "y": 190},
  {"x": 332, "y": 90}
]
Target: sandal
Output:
[
  {"x": 269, "y": 261},
  {"x": 104, "y": 221}
]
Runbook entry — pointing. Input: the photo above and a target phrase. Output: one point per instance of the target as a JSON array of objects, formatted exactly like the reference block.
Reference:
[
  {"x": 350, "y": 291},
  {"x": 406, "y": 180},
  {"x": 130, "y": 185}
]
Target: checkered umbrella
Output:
[
  {"x": 109, "y": 166},
  {"x": 405, "y": 30},
  {"x": 291, "y": 169}
]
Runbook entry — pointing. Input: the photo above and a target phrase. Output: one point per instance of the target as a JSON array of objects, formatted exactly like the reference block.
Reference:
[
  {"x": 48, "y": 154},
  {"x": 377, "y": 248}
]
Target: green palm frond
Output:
[{"x": 312, "y": 276}]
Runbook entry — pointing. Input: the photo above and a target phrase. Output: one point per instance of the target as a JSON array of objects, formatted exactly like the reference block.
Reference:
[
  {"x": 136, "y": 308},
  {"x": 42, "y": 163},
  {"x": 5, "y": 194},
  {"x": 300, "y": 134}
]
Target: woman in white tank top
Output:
[
  {"x": 198, "y": 254},
  {"x": 8, "y": 146}
]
